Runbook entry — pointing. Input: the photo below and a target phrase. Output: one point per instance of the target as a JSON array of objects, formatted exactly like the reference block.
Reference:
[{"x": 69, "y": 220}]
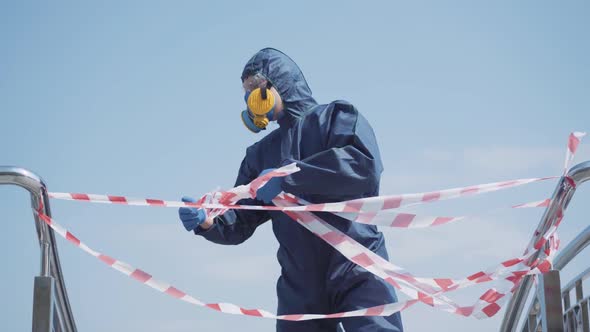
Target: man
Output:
[{"x": 336, "y": 150}]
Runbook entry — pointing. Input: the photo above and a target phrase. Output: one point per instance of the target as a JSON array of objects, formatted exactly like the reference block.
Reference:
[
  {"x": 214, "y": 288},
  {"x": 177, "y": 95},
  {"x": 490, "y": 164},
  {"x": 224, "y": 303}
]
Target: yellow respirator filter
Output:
[{"x": 260, "y": 103}]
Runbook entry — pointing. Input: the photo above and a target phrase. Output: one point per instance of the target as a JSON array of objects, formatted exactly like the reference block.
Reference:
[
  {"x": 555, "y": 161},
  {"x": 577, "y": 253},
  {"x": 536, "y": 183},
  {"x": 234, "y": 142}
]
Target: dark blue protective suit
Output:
[{"x": 339, "y": 159}]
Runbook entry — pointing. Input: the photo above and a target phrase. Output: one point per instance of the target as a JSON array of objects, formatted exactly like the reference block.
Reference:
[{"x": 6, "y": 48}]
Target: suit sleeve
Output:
[
  {"x": 236, "y": 226},
  {"x": 349, "y": 166}
]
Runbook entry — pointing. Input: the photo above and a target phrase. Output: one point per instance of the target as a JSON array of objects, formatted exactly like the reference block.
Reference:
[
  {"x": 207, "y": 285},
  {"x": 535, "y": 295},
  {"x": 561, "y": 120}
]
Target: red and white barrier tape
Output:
[
  {"x": 370, "y": 204},
  {"x": 427, "y": 290},
  {"x": 405, "y": 282},
  {"x": 572, "y": 146},
  {"x": 387, "y": 218},
  {"x": 373, "y": 210},
  {"x": 543, "y": 203},
  {"x": 370, "y": 210}
]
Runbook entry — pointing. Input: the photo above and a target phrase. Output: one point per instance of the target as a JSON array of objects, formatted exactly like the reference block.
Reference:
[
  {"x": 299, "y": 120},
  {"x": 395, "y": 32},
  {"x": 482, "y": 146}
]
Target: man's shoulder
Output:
[
  {"x": 335, "y": 109},
  {"x": 336, "y": 105}
]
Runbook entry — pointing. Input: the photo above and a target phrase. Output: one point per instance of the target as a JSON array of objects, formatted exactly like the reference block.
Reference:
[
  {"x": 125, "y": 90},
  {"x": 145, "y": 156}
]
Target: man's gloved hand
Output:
[
  {"x": 191, "y": 217},
  {"x": 271, "y": 189}
]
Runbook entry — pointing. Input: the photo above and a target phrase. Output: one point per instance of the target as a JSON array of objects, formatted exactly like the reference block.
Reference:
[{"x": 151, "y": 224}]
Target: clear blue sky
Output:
[{"x": 142, "y": 98}]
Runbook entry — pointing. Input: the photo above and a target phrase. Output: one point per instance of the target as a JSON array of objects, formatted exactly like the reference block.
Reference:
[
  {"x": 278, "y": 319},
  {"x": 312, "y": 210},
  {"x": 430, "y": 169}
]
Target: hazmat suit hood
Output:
[{"x": 285, "y": 76}]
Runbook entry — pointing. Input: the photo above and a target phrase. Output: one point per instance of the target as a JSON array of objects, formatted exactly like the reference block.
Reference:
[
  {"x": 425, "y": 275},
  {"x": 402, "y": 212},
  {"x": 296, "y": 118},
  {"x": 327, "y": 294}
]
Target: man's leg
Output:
[
  {"x": 368, "y": 293},
  {"x": 317, "y": 325},
  {"x": 297, "y": 300}
]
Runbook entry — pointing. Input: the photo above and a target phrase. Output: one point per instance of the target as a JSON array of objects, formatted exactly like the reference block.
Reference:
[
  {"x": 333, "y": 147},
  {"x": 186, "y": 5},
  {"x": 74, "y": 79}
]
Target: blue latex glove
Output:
[
  {"x": 191, "y": 217},
  {"x": 271, "y": 189}
]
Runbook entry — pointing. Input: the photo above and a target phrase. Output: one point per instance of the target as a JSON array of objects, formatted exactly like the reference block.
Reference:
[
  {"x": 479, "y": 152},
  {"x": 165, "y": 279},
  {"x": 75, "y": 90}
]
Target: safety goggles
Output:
[{"x": 256, "y": 81}]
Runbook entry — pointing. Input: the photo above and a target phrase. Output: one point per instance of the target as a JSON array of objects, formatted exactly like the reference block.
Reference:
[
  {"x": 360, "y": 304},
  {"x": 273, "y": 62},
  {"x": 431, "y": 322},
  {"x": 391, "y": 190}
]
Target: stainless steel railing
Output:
[
  {"x": 51, "y": 307},
  {"x": 576, "y": 315},
  {"x": 561, "y": 197}
]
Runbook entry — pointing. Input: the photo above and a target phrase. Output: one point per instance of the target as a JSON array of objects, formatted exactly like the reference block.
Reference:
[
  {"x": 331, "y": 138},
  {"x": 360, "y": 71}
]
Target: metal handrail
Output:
[
  {"x": 572, "y": 249},
  {"x": 572, "y": 284},
  {"x": 559, "y": 201},
  {"x": 50, "y": 264}
]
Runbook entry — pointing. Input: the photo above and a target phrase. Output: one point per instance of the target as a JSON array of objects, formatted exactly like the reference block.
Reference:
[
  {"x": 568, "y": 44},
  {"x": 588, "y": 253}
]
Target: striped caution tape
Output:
[{"x": 375, "y": 210}]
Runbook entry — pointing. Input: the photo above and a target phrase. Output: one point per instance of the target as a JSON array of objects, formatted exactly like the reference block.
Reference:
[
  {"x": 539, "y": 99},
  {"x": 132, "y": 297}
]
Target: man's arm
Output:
[{"x": 235, "y": 226}]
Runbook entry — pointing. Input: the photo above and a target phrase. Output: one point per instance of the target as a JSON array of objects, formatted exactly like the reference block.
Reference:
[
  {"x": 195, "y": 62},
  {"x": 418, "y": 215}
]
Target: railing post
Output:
[
  {"x": 43, "y": 304},
  {"x": 549, "y": 294},
  {"x": 583, "y": 305}
]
